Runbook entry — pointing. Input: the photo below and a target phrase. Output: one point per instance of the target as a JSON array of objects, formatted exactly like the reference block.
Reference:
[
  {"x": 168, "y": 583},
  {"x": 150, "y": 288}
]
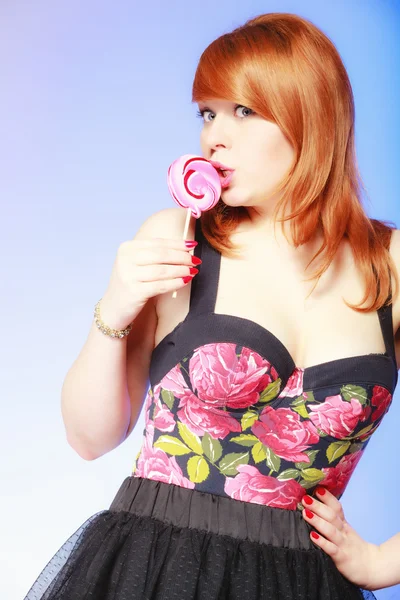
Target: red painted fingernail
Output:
[
  {"x": 321, "y": 491},
  {"x": 193, "y": 270},
  {"x": 309, "y": 514},
  {"x": 308, "y": 499},
  {"x": 315, "y": 535},
  {"x": 196, "y": 261},
  {"x": 190, "y": 244},
  {"x": 187, "y": 278}
]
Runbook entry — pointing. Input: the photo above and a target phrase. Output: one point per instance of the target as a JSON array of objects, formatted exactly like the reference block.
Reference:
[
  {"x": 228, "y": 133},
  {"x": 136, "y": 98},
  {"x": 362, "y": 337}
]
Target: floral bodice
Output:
[{"x": 227, "y": 411}]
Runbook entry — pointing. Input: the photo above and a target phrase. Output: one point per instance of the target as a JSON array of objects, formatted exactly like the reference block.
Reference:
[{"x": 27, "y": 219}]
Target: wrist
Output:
[
  {"x": 385, "y": 567},
  {"x": 373, "y": 582},
  {"x": 109, "y": 321}
]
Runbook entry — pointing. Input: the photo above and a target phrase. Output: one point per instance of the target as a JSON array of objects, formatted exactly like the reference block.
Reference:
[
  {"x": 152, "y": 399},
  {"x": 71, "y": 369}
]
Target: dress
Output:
[{"x": 235, "y": 435}]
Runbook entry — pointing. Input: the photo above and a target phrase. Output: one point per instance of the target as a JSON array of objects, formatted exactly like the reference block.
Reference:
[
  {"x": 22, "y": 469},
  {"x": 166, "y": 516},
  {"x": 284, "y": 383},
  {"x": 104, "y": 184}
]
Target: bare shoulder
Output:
[
  {"x": 395, "y": 254},
  {"x": 395, "y": 244},
  {"x": 165, "y": 223}
]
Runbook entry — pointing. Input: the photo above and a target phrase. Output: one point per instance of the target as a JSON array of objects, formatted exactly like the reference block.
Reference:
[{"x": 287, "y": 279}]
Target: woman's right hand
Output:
[{"x": 145, "y": 268}]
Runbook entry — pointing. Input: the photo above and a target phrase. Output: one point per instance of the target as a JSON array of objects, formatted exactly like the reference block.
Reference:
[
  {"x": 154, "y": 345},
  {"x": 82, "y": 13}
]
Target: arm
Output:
[
  {"x": 386, "y": 566},
  {"x": 100, "y": 402}
]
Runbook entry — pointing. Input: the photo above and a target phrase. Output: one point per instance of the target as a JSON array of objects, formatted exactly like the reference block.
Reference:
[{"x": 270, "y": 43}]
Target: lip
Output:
[
  {"x": 225, "y": 180},
  {"x": 218, "y": 165}
]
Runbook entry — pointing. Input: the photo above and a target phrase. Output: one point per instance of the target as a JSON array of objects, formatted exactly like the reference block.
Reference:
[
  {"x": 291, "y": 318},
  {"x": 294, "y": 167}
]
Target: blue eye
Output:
[
  {"x": 245, "y": 108},
  {"x": 200, "y": 113}
]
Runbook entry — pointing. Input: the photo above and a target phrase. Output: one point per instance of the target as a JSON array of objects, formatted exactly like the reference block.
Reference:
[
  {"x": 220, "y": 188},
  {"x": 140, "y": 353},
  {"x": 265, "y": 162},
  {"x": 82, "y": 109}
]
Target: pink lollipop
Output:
[{"x": 194, "y": 184}]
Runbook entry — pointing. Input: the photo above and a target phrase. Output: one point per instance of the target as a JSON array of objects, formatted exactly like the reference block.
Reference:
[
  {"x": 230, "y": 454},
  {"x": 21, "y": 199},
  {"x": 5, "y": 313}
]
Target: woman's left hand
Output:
[{"x": 354, "y": 557}]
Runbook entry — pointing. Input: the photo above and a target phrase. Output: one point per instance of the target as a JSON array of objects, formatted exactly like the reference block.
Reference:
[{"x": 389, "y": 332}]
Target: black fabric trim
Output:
[
  {"x": 212, "y": 328},
  {"x": 203, "y": 326}
]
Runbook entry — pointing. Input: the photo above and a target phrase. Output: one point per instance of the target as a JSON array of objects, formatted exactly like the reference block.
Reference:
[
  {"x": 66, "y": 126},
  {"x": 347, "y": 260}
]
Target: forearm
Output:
[
  {"x": 386, "y": 568},
  {"x": 95, "y": 401}
]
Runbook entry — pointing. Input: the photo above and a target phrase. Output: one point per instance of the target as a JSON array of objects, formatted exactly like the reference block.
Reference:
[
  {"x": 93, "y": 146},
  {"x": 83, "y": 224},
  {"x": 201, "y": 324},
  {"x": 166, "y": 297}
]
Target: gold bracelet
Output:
[{"x": 120, "y": 333}]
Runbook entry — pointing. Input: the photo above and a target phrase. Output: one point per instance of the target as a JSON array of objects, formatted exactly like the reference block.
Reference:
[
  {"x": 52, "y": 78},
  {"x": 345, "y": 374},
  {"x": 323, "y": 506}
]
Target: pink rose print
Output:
[
  {"x": 150, "y": 398},
  {"x": 294, "y": 385},
  {"x": 163, "y": 418},
  {"x": 154, "y": 463},
  {"x": 366, "y": 413},
  {"x": 335, "y": 416},
  {"x": 174, "y": 382},
  {"x": 282, "y": 430},
  {"x": 381, "y": 398},
  {"x": 338, "y": 477},
  {"x": 194, "y": 413},
  {"x": 202, "y": 419},
  {"x": 220, "y": 378},
  {"x": 251, "y": 486}
]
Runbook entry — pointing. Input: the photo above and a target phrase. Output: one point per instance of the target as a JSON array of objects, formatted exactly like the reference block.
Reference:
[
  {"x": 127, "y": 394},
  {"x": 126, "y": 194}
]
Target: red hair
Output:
[{"x": 285, "y": 69}]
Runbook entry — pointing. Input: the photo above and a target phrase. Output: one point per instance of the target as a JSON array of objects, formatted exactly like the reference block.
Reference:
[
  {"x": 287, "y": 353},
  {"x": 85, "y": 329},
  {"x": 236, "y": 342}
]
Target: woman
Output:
[{"x": 265, "y": 386}]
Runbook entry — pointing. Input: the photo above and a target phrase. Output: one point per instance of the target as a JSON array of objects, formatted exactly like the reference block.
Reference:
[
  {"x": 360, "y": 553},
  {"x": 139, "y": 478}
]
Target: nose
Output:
[{"x": 216, "y": 135}]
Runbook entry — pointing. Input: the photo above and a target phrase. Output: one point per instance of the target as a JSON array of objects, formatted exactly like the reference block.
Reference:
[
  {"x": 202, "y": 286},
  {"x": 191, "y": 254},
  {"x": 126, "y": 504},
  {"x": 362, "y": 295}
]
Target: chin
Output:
[{"x": 233, "y": 198}]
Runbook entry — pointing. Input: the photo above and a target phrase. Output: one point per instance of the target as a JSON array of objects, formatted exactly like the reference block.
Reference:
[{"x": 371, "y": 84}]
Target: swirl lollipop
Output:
[{"x": 194, "y": 184}]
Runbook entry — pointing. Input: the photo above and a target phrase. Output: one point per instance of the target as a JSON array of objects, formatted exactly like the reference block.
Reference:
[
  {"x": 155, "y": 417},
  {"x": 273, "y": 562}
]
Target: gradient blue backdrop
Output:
[{"x": 95, "y": 104}]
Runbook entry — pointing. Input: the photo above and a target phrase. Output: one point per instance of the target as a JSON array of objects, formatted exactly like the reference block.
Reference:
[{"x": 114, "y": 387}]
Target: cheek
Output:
[
  {"x": 275, "y": 158},
  {"x": 283, "y": 151}
]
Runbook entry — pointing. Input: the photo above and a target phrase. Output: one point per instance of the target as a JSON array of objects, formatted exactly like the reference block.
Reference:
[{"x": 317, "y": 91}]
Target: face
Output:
[{"x": 256, "y": 148}]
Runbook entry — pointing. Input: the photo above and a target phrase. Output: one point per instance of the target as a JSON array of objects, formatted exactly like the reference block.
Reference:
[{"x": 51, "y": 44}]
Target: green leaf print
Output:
[
  {"x": 309, "y": 397},
  {"x": 298, "y": 401},
  {"x": 191, "y": 439},
  {"x": 355, "y": 447},
  {"x": 312, "y": 475},
  {"x": 168, "y": 398},
  {"x": 304, "y": 465},
  {"x": 320, "y": 432},
  {"x": 198, "y": 469},
  {"x": 172, "y": 445},
  {"x": 135, "y": 461},
  {"x": 336, "y": 449},
  {"x": 258, "y": 452},
  {"x": 271, "y": 391},
  {"x": 301, "y": 410},
  {"x": 289, "y": 474},
  {"x": 306, "y": 484},
  {"x": 350, "y": 391},
  {"x": 232, "y": 460},
  {"x": 248, "y": 419},
  {"x": 212, "y": 448},
  {"x": 365, "y": 430},
  {"x": 272, "y": 460},
  {"x": 246, "y": 439}
]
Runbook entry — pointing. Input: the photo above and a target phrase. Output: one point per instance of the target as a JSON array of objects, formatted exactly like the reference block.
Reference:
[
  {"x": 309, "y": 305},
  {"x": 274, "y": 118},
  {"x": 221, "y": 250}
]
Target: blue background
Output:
[{"x": 95, "y": 104}]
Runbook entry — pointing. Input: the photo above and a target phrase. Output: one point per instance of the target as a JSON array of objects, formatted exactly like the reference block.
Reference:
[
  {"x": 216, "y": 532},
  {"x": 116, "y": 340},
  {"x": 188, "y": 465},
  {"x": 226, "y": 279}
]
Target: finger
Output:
[
  {"x": 325, "y": 544},
  {"x": 326, "y": 528},
  {"x": 155, "y": 288},
  {"x": 163, "y": 255},
  {"x": 325, "y": 496},
  {"x": 161, "y": 272},
  {"x": 322, "y": 510},
  {"x": 174, "y": 243},
  {"x": 319, "y": 508}
]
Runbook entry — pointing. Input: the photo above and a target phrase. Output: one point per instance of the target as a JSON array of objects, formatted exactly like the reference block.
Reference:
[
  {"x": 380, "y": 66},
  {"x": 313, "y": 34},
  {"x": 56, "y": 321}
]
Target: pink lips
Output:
[{"x": 225, "y": 179}]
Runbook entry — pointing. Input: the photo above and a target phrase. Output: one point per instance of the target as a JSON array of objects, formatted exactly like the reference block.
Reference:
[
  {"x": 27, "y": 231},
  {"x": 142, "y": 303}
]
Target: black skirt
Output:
[{"x": 160, "y": 541}]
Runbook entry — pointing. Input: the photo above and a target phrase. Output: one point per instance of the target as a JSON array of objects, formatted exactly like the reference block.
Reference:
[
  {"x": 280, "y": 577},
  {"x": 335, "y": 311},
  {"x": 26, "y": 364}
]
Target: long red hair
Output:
[{"x": 285, "y": 69}]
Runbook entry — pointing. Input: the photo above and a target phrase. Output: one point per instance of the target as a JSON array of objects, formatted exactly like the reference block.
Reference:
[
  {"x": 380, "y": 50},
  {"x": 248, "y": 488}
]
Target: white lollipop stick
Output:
[
  {"x": 194, "y": 184},
  {"x": 188, "y": 215}
]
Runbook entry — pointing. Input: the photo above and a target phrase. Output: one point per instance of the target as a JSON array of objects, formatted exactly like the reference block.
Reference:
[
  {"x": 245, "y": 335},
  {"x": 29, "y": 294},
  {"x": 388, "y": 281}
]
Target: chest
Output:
[{"x": 272, "y": 291}]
